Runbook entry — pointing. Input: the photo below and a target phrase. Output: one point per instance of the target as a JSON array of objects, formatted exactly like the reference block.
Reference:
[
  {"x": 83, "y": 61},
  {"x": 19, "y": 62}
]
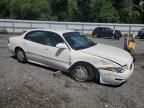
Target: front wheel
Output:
[
  {"x": 95, "y": 35},
  {"x": 113, "y": 37},
  {"x": 82, "y": 72},
  {"x": 20, "y": 55}
]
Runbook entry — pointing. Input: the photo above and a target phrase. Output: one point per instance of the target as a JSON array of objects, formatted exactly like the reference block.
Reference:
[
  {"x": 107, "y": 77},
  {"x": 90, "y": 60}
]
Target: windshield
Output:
[{"x": 77, "y": 41}]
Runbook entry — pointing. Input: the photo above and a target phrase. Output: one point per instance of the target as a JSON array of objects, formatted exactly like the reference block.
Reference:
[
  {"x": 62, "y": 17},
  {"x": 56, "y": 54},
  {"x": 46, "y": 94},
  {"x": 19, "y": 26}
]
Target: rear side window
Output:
[
  {"x": 44, "y": 37},
  {"x": 36, "y": 36}
]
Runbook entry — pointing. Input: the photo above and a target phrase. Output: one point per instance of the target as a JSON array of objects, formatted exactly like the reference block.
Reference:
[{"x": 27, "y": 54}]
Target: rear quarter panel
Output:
[{"x": 15, "y": 42}]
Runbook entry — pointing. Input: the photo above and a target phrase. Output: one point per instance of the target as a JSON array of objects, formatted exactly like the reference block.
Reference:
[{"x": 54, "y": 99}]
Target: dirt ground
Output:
[{"x": 33, "y": 86}]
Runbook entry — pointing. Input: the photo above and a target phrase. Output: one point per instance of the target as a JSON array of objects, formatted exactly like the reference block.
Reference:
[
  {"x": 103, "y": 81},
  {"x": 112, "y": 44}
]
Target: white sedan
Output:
[{"x": 71, "y": 52}]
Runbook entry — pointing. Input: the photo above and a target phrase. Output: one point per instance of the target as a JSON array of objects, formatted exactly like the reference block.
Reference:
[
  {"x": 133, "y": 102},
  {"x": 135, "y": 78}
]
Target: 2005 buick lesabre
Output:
[{"x": 71, "y": 52}]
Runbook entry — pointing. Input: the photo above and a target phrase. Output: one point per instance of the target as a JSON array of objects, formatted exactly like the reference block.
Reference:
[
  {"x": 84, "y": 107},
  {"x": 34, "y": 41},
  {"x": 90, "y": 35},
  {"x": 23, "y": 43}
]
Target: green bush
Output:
[{"x": 3, "y": 31}]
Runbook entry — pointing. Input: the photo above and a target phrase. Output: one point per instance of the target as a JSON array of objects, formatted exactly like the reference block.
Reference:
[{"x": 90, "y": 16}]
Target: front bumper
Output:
[{"x": 113, "y": 78}]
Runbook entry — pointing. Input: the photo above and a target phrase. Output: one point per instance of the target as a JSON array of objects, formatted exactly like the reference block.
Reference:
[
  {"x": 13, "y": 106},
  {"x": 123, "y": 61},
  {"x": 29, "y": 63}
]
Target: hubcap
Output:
[
  {"x": 80, "y": 73},
  {"x": 20, "y": 55}
]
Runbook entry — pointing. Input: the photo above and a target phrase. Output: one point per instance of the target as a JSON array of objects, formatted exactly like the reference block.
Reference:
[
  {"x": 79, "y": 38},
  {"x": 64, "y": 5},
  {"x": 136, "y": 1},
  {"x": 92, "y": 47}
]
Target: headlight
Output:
[
  {"x": 118, "y": 69},
  {"x": 115, "y": 69}
]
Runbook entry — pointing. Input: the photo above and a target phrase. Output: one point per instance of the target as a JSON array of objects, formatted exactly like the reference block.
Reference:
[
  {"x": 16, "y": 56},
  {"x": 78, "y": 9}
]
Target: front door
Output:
[{"x": 58, "y": 57}]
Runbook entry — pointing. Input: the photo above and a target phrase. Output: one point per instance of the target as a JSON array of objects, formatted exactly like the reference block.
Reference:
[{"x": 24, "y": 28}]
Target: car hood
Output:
[{"x": 109, "y": 52}]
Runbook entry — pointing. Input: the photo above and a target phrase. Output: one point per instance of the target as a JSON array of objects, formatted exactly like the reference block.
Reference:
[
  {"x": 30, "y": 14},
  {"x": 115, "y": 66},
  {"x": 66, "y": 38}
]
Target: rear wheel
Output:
[
  {"x": 82, "y": 72},
  {"x": 20, "y": 55}
]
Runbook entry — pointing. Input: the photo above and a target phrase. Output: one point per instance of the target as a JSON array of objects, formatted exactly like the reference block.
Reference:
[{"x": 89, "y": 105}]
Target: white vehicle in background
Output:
[{"x": 71, "y": 52}]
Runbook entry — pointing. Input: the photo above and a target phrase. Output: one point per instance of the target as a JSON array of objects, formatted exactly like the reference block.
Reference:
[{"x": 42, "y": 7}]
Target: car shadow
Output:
[
  {"x": 113, "y": 86},
  {"x": 68, "y": 75}
]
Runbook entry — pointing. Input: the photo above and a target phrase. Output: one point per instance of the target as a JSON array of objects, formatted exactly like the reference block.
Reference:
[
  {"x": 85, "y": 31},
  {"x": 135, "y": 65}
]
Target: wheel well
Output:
[
  {"x": 18, "y": 48},
  {"x": 82, "y": 62}
]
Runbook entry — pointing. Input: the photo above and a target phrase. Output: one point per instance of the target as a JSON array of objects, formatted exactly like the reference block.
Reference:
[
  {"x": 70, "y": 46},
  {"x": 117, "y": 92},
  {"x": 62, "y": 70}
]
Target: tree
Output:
[
  {"x": 84, "y": 11},
  {"x": 30, "y": 9},
  {"x": 60, "y": 9},
  {"x": 139, "y": 6},
  {"x": 104, "y": 11},
  {"x": 96, "y": 11},
  {"x": 126, "y": 11},
  {"x": 4, "y": 10}
]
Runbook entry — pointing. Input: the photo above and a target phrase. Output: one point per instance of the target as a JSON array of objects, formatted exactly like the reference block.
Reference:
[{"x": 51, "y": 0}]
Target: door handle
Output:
[{"x": 46, "y": 49}]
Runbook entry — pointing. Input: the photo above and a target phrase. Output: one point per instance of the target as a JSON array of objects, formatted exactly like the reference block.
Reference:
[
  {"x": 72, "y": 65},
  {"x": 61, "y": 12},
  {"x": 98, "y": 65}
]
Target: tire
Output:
[
  {"x": 82, "y": 72},
  {"x": 113, "y": 37},
  {"x": 117, "y": 38},
  {"x": 117, "y": 34},
  {"x": 20, "y": 55}
]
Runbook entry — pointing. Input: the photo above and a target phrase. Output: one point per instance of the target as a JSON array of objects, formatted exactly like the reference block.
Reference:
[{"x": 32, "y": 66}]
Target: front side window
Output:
[
  {"x": 108, "y": 29},
  {"x": 53, "y": 39},
  {"x": 77, "y": 41}
]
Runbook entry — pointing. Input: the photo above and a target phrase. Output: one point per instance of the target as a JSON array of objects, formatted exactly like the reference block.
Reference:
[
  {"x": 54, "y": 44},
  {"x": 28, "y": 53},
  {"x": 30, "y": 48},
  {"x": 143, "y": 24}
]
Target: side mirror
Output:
[{"x": 61, "y": 46}]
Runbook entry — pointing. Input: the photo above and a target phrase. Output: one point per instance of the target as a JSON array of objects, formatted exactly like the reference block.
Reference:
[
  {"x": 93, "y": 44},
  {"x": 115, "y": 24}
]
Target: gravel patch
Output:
[{"x": 33, "y": 86}]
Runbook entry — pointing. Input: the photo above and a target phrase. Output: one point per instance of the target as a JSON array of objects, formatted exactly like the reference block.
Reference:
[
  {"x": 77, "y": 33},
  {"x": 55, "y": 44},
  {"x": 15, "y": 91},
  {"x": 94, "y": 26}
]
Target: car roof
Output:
[{"x": 58, "y": 31}]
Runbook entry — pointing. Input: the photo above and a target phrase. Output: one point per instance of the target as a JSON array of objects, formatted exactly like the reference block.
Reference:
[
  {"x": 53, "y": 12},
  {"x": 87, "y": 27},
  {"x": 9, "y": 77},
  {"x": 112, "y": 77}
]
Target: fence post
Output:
[
  {"x": 49, "y": 25},
  {"x": 31, "y": 25},
  {"x": 129, "y": 30},
  {"x": 66, "y": 26},
  {"x": 114, "y": 27},
  {"x": 13, "y": 27},
  {"x": 82, "y": 28}
]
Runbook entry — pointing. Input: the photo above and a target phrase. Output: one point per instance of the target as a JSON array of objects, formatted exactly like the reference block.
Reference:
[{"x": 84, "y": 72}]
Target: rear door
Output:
[{"x": 35, "y": 48}]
